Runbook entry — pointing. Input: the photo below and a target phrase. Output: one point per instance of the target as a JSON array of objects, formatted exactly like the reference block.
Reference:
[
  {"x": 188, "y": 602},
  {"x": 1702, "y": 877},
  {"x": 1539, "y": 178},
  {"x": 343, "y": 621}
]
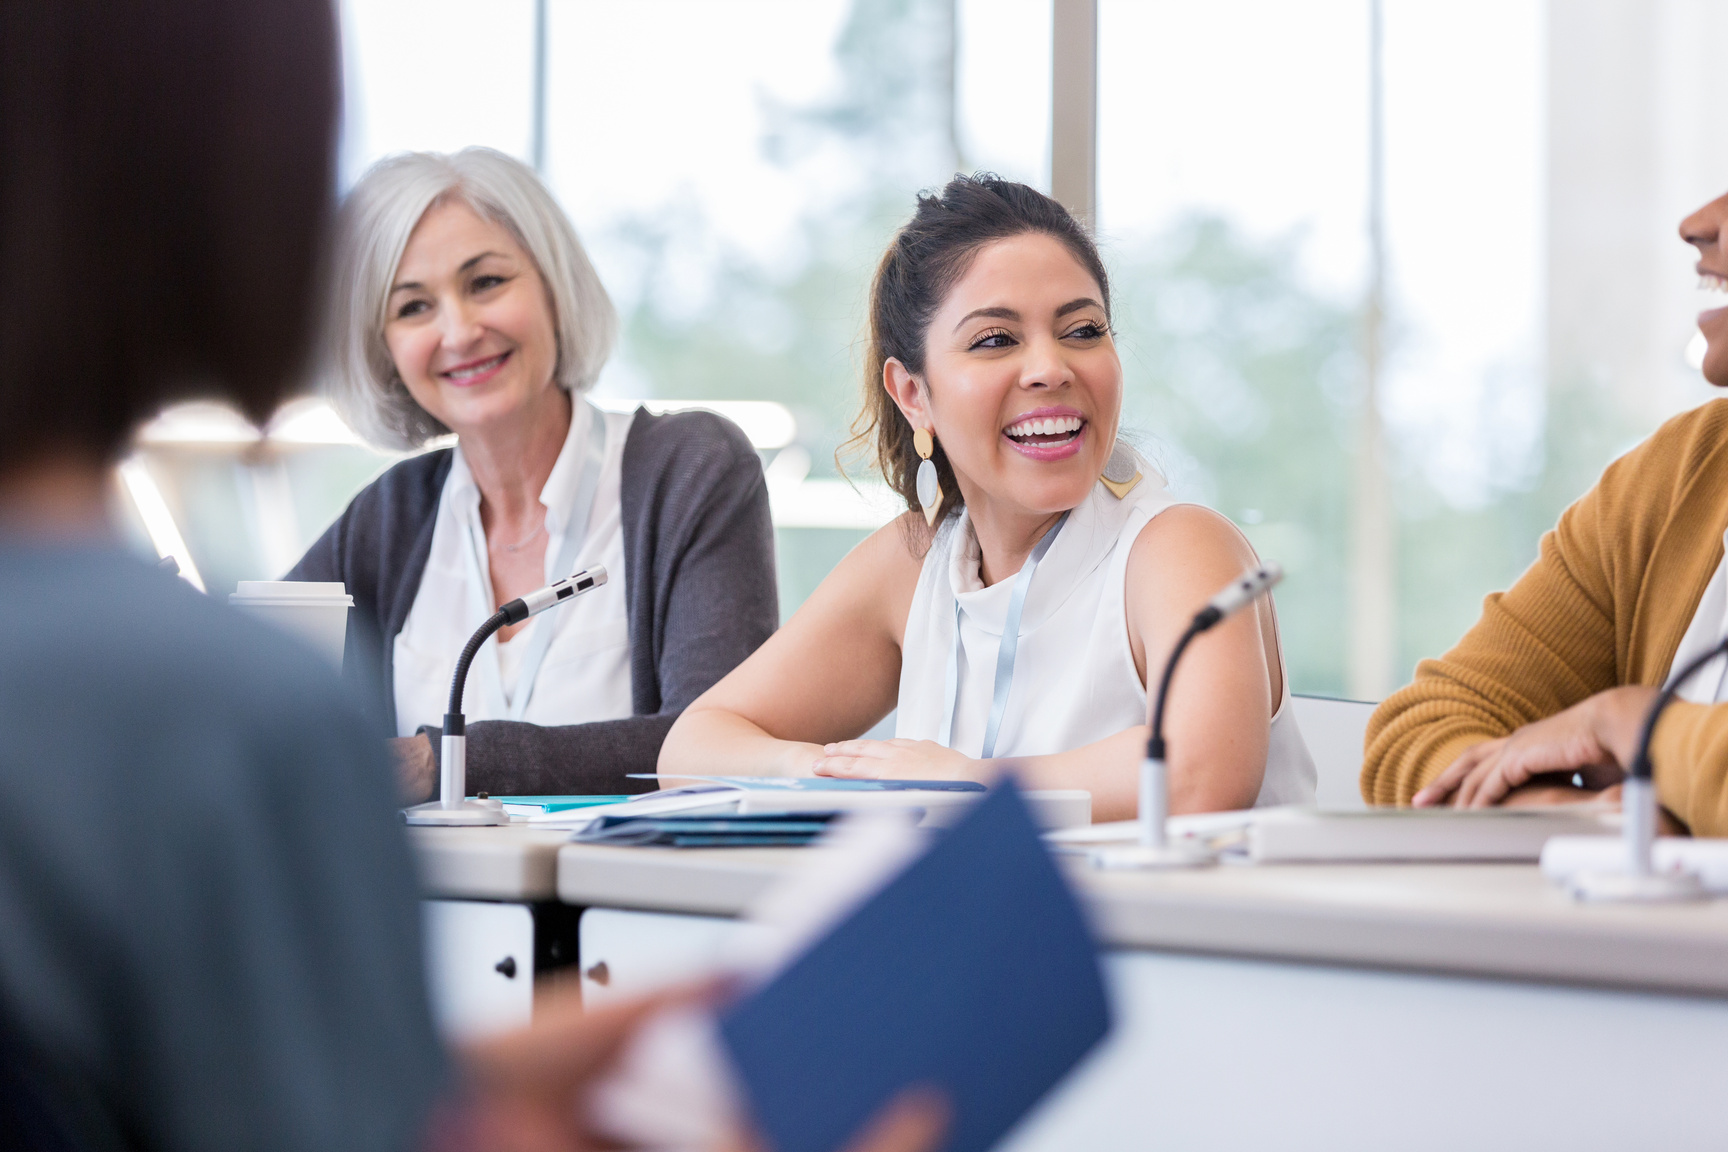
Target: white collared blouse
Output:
[{"x": 585, "y": 674}]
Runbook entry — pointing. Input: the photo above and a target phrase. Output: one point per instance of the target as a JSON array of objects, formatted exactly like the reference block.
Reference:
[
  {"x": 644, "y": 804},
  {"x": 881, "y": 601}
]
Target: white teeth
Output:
[
  {"x": 1048, "y": 426},
  {"x": 474, "y": 369},
  {"x": 1711, "y": 282}
]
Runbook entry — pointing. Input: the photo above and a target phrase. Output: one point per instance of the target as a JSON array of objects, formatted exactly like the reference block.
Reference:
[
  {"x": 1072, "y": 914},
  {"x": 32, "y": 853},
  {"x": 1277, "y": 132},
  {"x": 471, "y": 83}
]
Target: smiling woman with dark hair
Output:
[{"x": 1040, "y": 569}]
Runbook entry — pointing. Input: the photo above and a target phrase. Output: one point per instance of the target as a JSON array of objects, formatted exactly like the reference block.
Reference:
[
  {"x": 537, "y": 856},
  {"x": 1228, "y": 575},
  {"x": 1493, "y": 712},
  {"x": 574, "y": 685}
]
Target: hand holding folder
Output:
[{"x": 972, "y": 972}]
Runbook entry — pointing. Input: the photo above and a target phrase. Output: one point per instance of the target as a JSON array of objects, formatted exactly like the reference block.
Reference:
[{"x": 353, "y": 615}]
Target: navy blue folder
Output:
[{"x": 973, "y": 972}]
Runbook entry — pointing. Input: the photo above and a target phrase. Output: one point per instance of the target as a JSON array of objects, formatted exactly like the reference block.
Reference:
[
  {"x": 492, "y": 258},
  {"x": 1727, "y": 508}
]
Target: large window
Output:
[
  {"x": 735, "y": 168},
  {"x": 1367, "y": 315},
  {"x": 1395, "y": 277}
]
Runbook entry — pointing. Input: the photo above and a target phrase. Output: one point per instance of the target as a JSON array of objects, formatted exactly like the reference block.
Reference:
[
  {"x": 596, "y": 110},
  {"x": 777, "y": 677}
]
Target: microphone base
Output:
[
  {"x": 468, "y": 814},
  {"x": 1143, "y": 858},
  {"x": 1638, "y": 888}
]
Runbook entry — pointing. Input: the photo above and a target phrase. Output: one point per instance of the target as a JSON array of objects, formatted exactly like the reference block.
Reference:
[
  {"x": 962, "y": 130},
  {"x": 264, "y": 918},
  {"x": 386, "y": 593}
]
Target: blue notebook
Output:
[
  {"x": 762, "y": 830},
  {"x": 821, "y": 783},
  {"x": 973, "y": 971}
]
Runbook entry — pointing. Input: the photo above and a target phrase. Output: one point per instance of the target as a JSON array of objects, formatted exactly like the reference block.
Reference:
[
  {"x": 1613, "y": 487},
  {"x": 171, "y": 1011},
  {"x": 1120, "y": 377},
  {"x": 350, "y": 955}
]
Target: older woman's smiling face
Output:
[
  {"x": 1023, "y": 384},
  {"x": 469, "y": 324},
  {"x": 1703, "y": 230}
]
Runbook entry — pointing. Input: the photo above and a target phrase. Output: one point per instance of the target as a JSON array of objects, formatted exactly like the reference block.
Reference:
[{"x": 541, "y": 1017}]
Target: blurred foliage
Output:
[{"x": 1240, "y": 385}]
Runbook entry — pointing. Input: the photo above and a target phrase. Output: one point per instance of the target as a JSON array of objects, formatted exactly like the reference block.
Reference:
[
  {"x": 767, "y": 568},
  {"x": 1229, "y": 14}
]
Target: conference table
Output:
[{"x": 1385, "y": 1006}]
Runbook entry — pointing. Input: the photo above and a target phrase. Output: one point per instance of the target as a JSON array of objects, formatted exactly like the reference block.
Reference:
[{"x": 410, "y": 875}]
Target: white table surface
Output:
[{"x": 1499, "y": 921}]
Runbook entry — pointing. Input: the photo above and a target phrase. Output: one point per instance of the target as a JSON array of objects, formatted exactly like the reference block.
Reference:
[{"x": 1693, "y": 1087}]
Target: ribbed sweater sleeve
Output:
[
  {"x": 1690, "y": 756},
  {"x": 1613, "y": 588}
]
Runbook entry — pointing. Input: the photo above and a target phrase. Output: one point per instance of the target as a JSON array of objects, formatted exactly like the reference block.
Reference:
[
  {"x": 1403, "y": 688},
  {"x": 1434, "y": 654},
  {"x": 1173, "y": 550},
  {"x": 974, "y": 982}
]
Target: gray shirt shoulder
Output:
[{"x": 208, "y": 914}]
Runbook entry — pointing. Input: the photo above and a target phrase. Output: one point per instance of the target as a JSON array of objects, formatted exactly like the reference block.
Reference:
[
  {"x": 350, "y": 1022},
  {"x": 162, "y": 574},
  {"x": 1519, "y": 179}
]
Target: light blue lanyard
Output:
[
  {"x": 1006, "y": 650},
  {"x": 575, "y": 535}
]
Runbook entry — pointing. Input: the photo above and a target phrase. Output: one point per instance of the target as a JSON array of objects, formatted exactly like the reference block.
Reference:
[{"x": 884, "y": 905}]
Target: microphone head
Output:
[
  {"x": 1247, "y": 588},
  {"x": 580, "y": 581}
]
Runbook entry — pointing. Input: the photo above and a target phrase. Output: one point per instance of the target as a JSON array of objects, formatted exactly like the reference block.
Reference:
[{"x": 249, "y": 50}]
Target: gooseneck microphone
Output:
[
  {"x": 1639, "y": 882},
  {"x": 1154, "y": 849},
  {"x": 452, "y": 805}
]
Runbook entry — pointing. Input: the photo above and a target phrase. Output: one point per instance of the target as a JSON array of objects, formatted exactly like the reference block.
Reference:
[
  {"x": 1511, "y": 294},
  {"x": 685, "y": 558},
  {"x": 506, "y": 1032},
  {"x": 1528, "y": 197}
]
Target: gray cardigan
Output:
[{"x": 699, "y": 583}]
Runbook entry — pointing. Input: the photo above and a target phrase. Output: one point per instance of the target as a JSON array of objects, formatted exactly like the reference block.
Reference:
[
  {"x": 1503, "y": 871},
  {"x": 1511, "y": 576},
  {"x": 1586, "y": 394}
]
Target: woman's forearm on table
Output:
[{"x": 715, "y": 742}]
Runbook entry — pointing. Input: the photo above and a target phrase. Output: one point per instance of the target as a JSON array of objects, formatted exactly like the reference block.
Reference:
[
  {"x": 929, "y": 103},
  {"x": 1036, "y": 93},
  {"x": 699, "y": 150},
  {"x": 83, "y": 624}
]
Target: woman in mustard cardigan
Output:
[{"x": 1556, "y": 677}]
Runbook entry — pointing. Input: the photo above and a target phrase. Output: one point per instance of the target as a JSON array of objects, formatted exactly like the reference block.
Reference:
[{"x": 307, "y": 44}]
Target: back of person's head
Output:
[
  {"x": 166, "y": 167},
  {"x": 378, "y": 217},
  {"x": 926, "y": 258}
]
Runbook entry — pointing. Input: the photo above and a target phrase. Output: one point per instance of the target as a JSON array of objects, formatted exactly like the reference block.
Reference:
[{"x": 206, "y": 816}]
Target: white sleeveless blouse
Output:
[{"x": 1074, "y": 677}]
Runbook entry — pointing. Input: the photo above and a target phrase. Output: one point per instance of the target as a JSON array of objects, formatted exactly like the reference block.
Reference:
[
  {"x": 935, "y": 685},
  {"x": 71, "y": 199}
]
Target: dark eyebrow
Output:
[
  {"x": 466, "y": 264},
  {"x": 1076, "y": 305},
  {"x": 993, "y": 313}
]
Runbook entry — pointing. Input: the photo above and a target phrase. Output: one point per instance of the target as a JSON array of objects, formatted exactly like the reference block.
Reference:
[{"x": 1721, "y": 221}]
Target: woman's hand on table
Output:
[
  {"x": 416, "y": 767},
  {"x": 1595, "y": 738},
  {"x": 895, "y": 760}
]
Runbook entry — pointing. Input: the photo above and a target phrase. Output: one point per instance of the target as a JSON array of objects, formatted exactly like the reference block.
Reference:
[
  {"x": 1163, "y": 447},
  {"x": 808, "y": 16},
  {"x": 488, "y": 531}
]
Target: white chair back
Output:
[{"x": 1333, "y": 730}]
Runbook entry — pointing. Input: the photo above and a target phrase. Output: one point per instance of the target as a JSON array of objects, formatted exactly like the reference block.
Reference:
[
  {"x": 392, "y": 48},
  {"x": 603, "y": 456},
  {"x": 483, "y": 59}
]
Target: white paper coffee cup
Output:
[{"x": 314, "y": 611}]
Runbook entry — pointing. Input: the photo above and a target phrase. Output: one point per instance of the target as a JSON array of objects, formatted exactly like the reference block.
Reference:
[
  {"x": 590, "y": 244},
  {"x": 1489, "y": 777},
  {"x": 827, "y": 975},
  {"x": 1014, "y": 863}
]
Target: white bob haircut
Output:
[{"x": 372, "y": 232}]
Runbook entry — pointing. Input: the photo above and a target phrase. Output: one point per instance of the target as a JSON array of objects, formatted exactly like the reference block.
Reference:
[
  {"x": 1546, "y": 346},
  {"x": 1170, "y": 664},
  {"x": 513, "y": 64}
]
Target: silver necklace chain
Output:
[{"x": 526, "y": 540}]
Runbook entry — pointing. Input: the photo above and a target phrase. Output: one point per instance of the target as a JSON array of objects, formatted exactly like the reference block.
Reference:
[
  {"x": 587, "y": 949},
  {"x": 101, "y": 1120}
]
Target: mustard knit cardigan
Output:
[{"x": 1605, "y": 604}]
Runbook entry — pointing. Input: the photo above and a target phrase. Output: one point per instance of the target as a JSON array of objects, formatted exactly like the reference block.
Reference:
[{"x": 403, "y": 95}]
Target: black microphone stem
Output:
[
  {"x": 1640, "y": 768},
  {"x": 1155, "y": 741},
  {"x": 453, "y": 714}
]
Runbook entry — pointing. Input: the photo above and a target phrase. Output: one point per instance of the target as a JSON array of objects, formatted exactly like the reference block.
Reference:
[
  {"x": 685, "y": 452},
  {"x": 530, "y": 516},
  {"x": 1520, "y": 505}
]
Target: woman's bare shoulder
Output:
[{"x": 1190, "y": 539}]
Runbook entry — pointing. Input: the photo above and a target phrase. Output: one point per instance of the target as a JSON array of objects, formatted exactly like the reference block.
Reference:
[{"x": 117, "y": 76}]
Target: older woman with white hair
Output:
[{"x": 463, "y": 302}]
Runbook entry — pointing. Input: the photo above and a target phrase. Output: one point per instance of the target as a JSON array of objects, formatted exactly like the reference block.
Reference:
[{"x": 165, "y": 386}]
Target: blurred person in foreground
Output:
[
  {"x": 1543, "y": 700},
  {"x": 463, "y": 302},
  {"x": 208, "y": 922}
]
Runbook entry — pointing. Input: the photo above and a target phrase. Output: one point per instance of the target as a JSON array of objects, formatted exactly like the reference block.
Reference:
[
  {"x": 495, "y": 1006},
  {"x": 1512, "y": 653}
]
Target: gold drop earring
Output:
[{"x": 929, "y": 488}]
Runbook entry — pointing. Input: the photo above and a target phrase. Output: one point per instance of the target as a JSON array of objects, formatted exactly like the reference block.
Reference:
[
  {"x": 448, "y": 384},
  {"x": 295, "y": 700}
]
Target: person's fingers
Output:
[
  {"x": 852, "y": 766},
  {"x": 914, "y": 1121},
  {"x": 1465, "y": 797},
  {"x": 1503, "y": 776},
  {"x": 415, "y": 767},
  {"x": 1466, "y": 789},
  {"x": 1447, "y": 782},
  {"x": 1459, "y": 770},
  {"x": 880, "y": 749},
  {"x": 567, "y": 1045}
]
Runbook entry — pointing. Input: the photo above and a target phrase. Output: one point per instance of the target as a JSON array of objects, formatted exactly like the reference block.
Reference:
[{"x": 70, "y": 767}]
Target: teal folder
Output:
[{"x": 535, "y": 805}]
